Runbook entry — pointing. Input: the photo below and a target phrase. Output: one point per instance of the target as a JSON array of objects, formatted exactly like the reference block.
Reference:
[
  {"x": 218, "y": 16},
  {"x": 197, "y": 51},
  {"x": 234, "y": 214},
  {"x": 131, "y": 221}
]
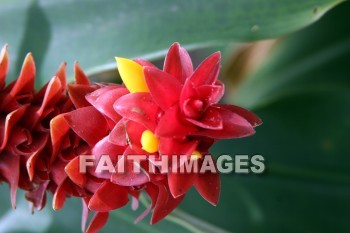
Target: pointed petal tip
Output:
[
  {"x": 63, "y": 65},
  {"x": 3, "y": 52},
  {"x": 4, "y": 65},
  {"x": 108, "y": 196},
  {"x": 216, "y": 57},
  {"x": 79, "y": 75},
  {"x": 175, "y": 45},
  {"x": 217, "y": 53},
  {"x": 29, "y": 61},
  {"x": 132, "y": 75},
  {"x": 97, "y": 222},
  {"x": 121, "y": 60},
  {"x": 258, "y": 122},
  {"x": 29, "y": 57}
]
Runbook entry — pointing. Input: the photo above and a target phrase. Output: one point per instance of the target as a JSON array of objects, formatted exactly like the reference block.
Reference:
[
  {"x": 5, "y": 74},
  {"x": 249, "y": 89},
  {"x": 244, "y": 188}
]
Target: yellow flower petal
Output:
[
  {"x": 149, "y": 142},
  {"x": 132, "y": 75}
]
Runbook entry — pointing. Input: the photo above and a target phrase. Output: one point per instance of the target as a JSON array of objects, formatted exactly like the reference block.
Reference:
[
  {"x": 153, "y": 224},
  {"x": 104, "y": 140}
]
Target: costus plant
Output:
[{"x": 159, "y": 113}]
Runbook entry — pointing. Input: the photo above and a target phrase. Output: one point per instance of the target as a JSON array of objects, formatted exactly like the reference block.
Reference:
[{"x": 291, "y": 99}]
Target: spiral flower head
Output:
[
  {"x": 161, "y": 114},
  {"x": 169, "y": 112}
]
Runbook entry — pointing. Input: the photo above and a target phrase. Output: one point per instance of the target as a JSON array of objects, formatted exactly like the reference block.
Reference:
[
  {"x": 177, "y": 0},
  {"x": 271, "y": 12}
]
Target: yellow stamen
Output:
[
  {"x": 149, "y": 142},
  {"x": 196, "y": 155},
  {"x": 132, "y": 75}
]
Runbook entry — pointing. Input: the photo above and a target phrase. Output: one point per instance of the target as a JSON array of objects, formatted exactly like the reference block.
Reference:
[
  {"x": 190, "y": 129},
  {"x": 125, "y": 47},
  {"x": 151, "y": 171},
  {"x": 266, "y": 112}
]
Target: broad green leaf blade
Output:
[
  {"x": 93, "y": 32},
  {"x": 315, "y": 58}
]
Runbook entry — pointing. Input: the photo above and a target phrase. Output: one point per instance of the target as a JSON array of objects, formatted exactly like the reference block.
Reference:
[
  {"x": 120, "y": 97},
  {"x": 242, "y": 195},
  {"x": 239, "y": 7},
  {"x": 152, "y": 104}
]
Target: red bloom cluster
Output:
[
  {"x": 157, "y": 113},
  {"x": 25, "y": 115}
]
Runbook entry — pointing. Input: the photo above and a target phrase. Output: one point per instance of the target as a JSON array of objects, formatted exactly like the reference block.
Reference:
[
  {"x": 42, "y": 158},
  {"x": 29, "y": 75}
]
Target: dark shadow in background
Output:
[{"x": 36, "y": 37}]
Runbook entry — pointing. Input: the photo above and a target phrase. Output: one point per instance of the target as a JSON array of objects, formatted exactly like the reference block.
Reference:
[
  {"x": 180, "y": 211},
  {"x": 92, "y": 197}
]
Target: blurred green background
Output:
[{"x": 288, "y": 61}]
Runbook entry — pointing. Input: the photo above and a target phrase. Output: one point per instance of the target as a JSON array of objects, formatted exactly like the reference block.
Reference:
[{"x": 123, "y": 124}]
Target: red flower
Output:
[
  {"x": 36, "y": 145},
  {"x": 24, "y": 128},
  {"x": 188, "y": 99},
  {"x": 180, "y": 107},
  {"x": 166, "y": 113},
  {"x": 157, "y": 113}
]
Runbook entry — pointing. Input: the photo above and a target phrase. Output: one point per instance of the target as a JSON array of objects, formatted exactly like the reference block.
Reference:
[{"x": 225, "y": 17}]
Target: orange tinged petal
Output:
[
  {"x": 79, "y": 75},
  {"x": 61, "y": 74},
  {"x": 108, "y": 197},
  {"x": 72, "y": 170},
  {"x": 97, "y": 222},
  {"x": 59, "y": 197},
  {"x": 4, "y": 65},
  {"x": 25, "y": 82}
]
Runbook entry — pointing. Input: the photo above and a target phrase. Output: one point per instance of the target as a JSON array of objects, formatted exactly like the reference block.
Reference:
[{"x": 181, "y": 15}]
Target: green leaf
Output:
[
  {"x": 93, "y": 32},
  {"x": 302, "y": 97},
  {"x": 313, "y": 59}
]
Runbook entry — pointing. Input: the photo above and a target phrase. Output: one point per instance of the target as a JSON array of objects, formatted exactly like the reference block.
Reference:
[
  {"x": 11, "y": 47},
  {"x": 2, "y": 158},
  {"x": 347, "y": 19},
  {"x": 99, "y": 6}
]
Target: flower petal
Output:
[
  {"x": 180, "y": 183},
  {"x": 164, "y": 89},
  {"x": 58, "y": 129},
  {"x": 25, "y": 83},
  {"x": 138, "y": 107},
  {"x": 73, "y": 171},
  {"x": 132, "y": 75},
  {"x": 152, "y": 191},
  {"x": 234, "y": 126},
  {"x": 170, "y": 146},
  {"x": 52, "y": 95},
  {"x": 32, "y": 146},
  {"x": 61, "y": 74},
  {"x": 105, "y": 147},
  {"x": 129, "y": 177},
  {"x": 165, "y": 203},
  {"x": 178, "y": 63},
  {"x": 79, "y": 75},
  {"x": 189, "y": 91},
  {"x": 210, "y": 120},
  {"x": 97, "y": 222},
  {"x": 211, "y": 93},
  {"x": 9, "y": 169},
  {"x": 118, "y": 135},
  {"x": 127, "y": 132},
  {"x": 38, "y": 196},
  {"x": 105, "y": 100},
  {"x": 253, "y": 119},
  {"x": 143, "y": 63},
  {"x": 207, "y": 72},
  {"x": 208, "y": 185},
  {"x": 59, "y": 197},
  {"x": 108, "y": 197},
  {"x": 77, "y": 93},
  {"x": 10, "y": 120},
  {"x": 176, "y": 128},
  {"x": 88, "y": 123},
  {"x": 30, "y": 164},
  {"x": 4, "y": 66}
]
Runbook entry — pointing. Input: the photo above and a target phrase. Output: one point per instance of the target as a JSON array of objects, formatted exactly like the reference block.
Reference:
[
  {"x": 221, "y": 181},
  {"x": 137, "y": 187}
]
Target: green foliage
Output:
[
  {"x": 301, "y": 91},
  {"x": 93, "y": 32}
]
